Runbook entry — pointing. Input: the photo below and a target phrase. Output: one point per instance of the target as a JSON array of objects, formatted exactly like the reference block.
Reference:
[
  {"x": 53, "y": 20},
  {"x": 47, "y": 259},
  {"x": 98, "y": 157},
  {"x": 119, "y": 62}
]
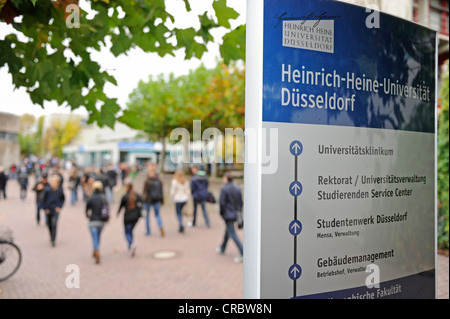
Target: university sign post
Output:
[{"x": 340, "y": 201}]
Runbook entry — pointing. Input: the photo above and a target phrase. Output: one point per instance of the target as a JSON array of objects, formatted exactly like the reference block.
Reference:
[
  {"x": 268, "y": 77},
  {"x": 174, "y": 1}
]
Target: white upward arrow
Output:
[
  {"x": 295, "y": 271},
  {"x": 296, "y": 147},
  {"x": 296, "y": 188},
  {"x": 295, "y": 227}
]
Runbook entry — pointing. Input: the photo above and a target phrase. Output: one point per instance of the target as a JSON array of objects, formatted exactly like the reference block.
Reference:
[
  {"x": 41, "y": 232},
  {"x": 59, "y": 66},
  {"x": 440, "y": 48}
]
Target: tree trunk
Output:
[{"x": 162, "y": 158}]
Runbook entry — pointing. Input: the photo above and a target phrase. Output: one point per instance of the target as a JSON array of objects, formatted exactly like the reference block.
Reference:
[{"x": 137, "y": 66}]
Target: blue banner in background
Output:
[{"x": 330, "y": 63}]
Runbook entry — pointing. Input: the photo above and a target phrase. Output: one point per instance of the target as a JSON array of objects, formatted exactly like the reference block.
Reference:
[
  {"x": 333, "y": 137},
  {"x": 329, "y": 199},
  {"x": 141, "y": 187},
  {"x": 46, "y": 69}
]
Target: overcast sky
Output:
[{"x": 127, "y": 70}]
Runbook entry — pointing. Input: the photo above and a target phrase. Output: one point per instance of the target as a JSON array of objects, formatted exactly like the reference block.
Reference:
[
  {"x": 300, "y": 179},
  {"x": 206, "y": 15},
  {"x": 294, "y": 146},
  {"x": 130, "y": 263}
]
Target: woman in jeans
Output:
[
  {"x": 153, "y": 196},
  {"x": 96, "y": 203},
  {"x": 132, "y": 202},
  {"x": 180, "y": 192}
]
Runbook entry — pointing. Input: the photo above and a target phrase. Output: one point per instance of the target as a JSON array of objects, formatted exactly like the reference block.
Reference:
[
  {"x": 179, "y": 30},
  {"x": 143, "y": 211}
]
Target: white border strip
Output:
[
  {"x": 252, "y": 170},
  {"x": 436, "y": 122}
]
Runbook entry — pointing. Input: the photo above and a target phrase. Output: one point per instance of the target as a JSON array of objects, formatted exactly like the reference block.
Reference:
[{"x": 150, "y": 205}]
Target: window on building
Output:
[
  {"x": 432, "y": 13},
  {"x": 9, "y": 136}
]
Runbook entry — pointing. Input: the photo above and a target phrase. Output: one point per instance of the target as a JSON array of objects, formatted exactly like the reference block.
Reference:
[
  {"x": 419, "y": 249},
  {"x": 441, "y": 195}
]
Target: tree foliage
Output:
[
  {"x": 443, "y": 162},
  {"x": 52, "y": 60},
  {"x": 59, "y": 134},
  {"x": 26, "y": 136},
  {"x": 214, "y": 96}
]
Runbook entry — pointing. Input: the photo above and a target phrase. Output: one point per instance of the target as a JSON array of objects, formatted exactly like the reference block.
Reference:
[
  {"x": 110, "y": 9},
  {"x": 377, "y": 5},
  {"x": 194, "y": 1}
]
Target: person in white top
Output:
[{"x": 180, "y": 193}]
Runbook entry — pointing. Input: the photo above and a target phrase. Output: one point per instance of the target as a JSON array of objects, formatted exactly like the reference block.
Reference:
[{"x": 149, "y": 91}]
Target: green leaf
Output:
[
  {"x": 132, "y": 119},
  {"x": 205, "y": 25},
  {"x": 110, "y": 78},
  {"x": 75, "y": 100},
  {"x": 79, "y": 78},
  {"x": 121, "y": 44},
  {"x": 233, "y": 45},
  {"x": 195, "y": 50},
  {"x": 224, "y": 13},
  {"x": 108, "y": 113},
  {"x": 145, "y": 41},
  {"x": 9, "y": 57},
  {"x": 187, "y": 5}
]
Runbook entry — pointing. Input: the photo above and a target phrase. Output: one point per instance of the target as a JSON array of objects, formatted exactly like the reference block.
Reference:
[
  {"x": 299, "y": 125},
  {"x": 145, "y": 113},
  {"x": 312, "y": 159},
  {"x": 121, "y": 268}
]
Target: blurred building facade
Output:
[
  {"x": 9, "y": 139},
  {"x": 100, "y": 146},
  {"x": 432, "y": 14}
]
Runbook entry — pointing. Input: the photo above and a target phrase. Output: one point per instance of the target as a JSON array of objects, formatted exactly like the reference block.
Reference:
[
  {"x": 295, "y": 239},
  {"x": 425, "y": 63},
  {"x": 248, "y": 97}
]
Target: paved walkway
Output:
[
  {"x": 194, "y": 271},
  {"x": 191, "y": 269}
]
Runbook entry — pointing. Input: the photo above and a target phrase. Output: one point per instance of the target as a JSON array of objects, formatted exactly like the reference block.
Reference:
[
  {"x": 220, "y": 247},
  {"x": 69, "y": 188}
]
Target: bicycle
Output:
[{"x": 10, "y": 255}]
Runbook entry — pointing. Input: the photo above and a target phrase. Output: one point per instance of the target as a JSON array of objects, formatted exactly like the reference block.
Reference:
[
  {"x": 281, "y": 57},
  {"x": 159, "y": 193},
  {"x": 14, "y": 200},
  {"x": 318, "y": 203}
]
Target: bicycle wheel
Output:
[{"x": 10, "y": 259}]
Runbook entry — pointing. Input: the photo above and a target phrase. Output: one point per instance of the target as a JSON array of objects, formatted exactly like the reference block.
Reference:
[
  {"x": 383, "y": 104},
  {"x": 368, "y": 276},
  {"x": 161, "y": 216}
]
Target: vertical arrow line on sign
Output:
[
  {"x": 297, "y": 187},
  {"x": 295, "y": 218}
]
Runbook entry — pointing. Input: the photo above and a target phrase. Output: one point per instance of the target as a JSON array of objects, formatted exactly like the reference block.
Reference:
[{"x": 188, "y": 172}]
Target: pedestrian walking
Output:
[
  {"x": 230, "y": 204},
  {"x": 22, "y": 178},
  {"x": 99, "y": 175},
  {"x": 132, "y": 203},
  {"x": 123, "y": 172},
  {"x": 199, "y": 191},
  {"x": 86, "y": 181},
  {"x": 3, "y": 180},
  {"x": 179, "y": 193},
  {"x": 74, "y": 182},
  {"x": 153, "y": 196},
  {"x": 38, "y": 188},
  {"x": 13, "y": 171},
  {"x": 96, "y": 207},
  {"x": 111, "y": 175},
  {"x": 52, "y": 202}
]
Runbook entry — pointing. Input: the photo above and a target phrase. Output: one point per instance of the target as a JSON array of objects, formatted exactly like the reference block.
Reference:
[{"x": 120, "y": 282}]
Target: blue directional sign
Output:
[
  {"x": 296, "y": 148},
  {"x": 313, "y": 90},
  {"x": 295, "y": 271},
  {"x": 295, "y": 188},
  {"x": 295, "y": 227}
]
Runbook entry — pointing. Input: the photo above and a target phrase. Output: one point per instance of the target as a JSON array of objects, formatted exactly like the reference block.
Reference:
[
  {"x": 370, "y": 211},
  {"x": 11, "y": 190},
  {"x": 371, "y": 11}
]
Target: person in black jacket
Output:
[
  {"x": 132, "y": 202},
  {"x": 52, "y": 202},
  {"x": 39, "y": 190},
  {"x": 199, "y": 191},
  {"x": 111, "y": 175},
  {"x": 230, "y": 204},
  {"x": 74, "y": 182},
  {"x": 96, "y": 204},
  {"x": 22, "y": 178},
  {"x": 3, "y": 180},
  {"x": 153, "y": 196}
]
